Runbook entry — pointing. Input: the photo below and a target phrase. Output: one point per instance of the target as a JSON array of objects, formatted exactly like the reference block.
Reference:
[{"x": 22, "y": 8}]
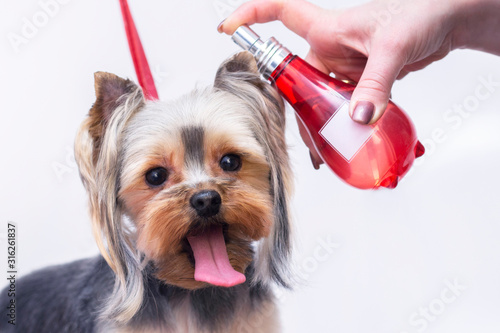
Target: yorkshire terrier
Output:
[{"x": 189, "y": 206}]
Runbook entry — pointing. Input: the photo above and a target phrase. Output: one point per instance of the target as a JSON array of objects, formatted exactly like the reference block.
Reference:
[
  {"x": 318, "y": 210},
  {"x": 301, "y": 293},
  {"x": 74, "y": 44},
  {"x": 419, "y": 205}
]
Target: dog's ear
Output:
[
  {"x": 241, "y": 70},
  {"x": 116, "y": 100},
  {"x": 239, "y": 76},
  {"x": 238, "y": 69},
  {"x": 242, "y": 62},
  {"x": 108, "y": 90},
  {"x": 111, "y": 91}
]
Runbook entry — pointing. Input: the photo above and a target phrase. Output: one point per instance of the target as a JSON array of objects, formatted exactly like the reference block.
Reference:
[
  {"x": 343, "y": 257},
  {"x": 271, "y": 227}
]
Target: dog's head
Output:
[{"x": 198, "y": 186}]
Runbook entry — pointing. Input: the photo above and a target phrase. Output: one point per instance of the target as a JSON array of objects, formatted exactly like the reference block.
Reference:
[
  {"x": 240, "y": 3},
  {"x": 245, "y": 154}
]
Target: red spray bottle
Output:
[{"x": 364, "y": 156}]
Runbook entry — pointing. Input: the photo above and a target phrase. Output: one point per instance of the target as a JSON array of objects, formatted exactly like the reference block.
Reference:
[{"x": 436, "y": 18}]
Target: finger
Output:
[
  {"x": 345, "y": 78},
  {"x": 369, "y": 99},
  {"x": 313, "y": 153},
  {"x": 343, "y": 74},
  {"x": 316, "y": 62},
  {"x": 402, "y": 74},
  {"x": 296, "y": 15}
]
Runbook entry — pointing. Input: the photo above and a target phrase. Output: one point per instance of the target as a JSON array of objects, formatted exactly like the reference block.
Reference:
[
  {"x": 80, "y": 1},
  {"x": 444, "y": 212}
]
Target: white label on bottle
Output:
[{"x": 345, "y": 135}]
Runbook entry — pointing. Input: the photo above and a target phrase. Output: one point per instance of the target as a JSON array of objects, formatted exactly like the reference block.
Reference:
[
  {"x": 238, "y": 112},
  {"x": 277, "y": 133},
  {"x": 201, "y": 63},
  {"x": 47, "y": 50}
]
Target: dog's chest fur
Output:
[
  {"x": 184, "y": 320},
  {"x": 242, "y": 308}
]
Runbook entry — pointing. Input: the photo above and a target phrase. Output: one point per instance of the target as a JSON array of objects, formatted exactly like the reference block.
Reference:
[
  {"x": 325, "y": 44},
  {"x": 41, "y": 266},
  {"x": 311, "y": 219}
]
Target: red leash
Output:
[{"x": 138, "y": 56}]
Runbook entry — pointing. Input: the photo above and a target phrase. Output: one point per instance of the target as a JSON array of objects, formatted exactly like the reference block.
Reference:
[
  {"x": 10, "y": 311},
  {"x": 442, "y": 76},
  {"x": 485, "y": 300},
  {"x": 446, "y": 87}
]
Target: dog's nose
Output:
[{"x": 207, "y": 203}]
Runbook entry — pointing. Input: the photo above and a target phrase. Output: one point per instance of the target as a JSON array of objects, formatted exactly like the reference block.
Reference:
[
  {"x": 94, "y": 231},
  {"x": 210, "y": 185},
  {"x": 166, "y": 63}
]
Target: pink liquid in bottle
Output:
[{"x": 364, "y": 156}]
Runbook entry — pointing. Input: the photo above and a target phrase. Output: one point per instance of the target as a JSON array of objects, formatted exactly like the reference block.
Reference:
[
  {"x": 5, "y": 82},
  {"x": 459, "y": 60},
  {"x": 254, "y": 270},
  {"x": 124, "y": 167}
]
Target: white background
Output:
[{"x": 393, "y": 249}]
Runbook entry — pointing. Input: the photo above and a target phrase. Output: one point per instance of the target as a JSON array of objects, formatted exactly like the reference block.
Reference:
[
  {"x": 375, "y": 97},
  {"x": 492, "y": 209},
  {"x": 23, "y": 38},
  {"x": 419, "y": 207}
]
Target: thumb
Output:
[{"x": 371, "y": 95}]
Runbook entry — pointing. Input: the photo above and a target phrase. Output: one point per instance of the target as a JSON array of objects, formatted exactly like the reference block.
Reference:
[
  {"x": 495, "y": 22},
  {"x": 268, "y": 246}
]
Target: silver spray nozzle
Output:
[
  {"x": 247, "y": 39},
  {"x": 268, "y": 54}
]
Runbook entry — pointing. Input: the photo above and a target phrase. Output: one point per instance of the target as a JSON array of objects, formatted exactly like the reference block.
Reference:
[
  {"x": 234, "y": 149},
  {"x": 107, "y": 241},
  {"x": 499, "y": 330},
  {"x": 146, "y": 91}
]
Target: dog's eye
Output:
[
  {"x": 230, "y": 162},
  {"x": 156, "y": 176}
]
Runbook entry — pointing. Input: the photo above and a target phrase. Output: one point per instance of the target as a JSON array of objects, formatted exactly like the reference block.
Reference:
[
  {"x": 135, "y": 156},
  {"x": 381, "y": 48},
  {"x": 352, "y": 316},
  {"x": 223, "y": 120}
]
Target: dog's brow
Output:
[{"x": 192, "y": 139}]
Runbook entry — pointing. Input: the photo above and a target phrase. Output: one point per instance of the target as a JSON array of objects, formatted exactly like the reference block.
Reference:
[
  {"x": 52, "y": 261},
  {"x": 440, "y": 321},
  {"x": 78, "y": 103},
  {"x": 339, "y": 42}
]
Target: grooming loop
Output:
[{"x": 141, "y": 65}]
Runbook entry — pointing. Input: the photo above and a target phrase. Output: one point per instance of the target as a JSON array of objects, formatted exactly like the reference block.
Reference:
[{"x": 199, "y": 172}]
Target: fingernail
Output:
[
  {"x": 219, "y": 27},
  {"x": 315, "y": 164},
  {"x": 363, "y": 112}
]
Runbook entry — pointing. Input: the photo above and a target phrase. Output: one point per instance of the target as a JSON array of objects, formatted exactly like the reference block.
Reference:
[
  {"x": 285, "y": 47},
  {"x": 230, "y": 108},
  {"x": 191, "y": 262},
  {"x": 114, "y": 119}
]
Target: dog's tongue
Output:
[{"x": 211, "y": 262}]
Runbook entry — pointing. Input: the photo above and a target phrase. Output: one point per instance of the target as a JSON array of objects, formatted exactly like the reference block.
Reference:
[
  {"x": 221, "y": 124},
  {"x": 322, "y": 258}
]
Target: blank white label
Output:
[{"x": 345, "y": 135}]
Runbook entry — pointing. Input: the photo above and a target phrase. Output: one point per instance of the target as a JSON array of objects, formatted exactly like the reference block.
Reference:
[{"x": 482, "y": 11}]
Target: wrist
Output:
[{"x": 476, "y": 24}]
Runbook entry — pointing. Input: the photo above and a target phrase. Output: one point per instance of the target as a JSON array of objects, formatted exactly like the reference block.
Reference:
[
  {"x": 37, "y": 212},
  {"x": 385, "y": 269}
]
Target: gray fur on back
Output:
[{"x": 63, "y": 298}]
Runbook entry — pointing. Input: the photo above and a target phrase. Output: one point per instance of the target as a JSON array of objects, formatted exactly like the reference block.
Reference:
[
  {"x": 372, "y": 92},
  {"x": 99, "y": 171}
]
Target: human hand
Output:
[{"x": 373, "y": 44}]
